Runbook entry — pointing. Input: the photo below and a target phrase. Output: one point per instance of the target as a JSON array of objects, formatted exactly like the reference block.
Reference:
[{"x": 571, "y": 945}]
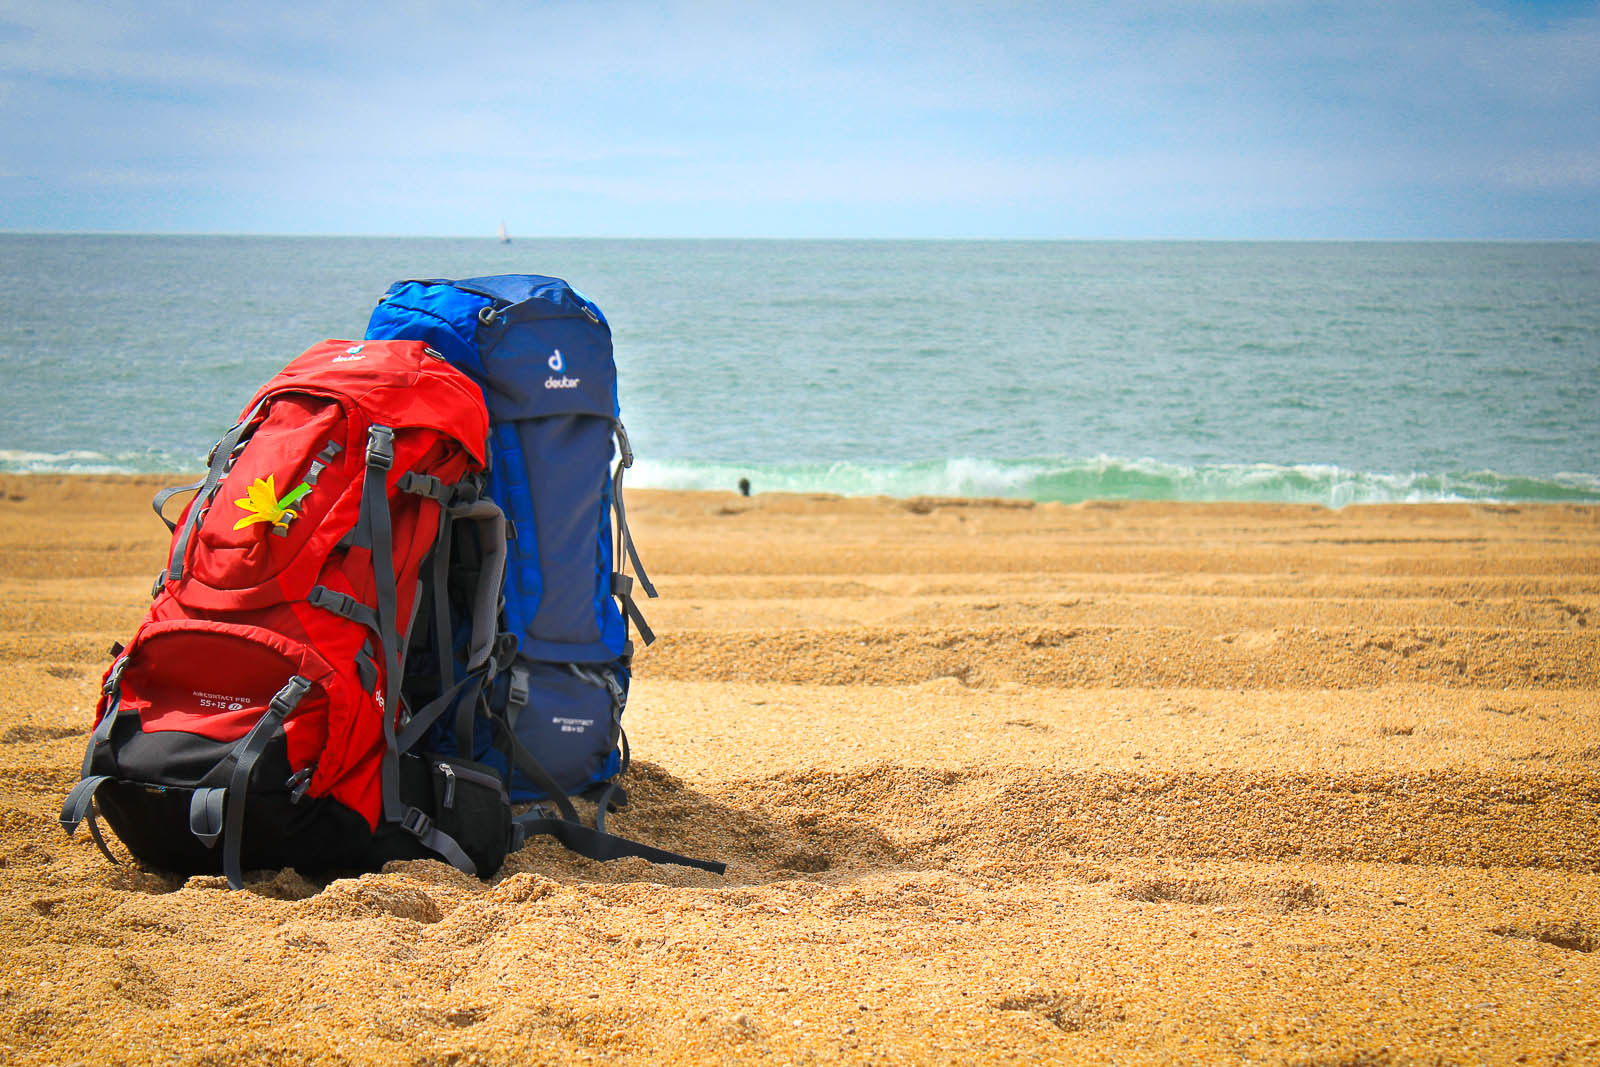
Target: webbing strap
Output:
[
  {"x": 599, "y": 845},
  {"x": 80, "y": 805},
  {"x": 622, "y": 589},
  {"x": 530, "y": 767},
  {"x": 603, "y": 803},
  {"x": 243, "y": 757},
  {"x": 158, "y": 502},
  {"x": 425, "y": 485},
  {"x": 624, "y": 535},
  {"x": 220, "y": 457},
  {"x": 102, "y": 731},
  {"x": 205, "y": 814},
  {"x": 375, "y": 516},
  {"x": 418, "y": 824},
  {"x": 366, "y": 666},
  {"x": 418, "y": 724},
  {"x": 345, "y": 604}
]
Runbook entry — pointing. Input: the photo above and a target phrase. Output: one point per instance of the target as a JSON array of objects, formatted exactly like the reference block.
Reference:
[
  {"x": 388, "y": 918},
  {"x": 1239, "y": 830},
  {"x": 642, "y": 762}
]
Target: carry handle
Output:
[{"x": 158, "y": 503}]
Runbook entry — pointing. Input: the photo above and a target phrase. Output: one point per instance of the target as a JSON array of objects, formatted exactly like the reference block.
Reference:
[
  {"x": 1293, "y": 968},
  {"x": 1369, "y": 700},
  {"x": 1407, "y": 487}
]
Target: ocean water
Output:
[{"x": 1319, "y": 372}]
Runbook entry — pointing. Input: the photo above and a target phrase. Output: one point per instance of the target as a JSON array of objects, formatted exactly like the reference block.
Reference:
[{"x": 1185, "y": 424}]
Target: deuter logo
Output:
[
  {"x": 351, "y": 354},
  {"x": 562, "y": 382},
  {"x": 556, "y": 362}
]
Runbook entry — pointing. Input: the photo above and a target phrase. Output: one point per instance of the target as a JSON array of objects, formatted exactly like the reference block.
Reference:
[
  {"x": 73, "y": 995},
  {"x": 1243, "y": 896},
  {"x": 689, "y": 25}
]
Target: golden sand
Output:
[{"x": 1113, "y": 783}]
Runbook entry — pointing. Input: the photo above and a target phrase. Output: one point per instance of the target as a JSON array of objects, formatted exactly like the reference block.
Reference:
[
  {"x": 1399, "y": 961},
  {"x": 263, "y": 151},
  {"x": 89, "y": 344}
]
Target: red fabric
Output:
[{"x": 218, "y": 643}]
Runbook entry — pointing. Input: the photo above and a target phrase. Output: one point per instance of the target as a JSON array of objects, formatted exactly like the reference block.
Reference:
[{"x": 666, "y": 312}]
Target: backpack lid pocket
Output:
[{"x": 288, "y": 498}]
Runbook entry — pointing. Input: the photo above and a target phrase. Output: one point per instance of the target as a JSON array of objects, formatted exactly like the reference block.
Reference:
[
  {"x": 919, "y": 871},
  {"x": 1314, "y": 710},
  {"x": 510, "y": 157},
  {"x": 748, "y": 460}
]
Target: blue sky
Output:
[{"x": 1164, "y": 119}]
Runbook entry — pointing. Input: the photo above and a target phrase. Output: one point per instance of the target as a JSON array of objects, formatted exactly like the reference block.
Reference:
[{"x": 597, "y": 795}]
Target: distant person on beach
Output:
[{"x": 744, "y": 486}]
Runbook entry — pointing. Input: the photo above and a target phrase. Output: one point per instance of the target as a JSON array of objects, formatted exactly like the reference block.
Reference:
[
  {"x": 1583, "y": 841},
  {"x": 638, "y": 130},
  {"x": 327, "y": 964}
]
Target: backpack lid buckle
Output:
[{"x": 380, "y": 447}]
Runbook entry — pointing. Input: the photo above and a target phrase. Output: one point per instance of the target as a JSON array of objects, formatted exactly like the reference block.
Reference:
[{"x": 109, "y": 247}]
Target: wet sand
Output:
[{"x": 1111, "y": 783}]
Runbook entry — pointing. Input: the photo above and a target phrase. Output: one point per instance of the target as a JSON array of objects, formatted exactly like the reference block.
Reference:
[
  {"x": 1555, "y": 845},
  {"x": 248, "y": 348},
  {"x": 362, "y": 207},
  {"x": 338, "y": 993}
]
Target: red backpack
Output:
[{"x": 258, "y": 707}]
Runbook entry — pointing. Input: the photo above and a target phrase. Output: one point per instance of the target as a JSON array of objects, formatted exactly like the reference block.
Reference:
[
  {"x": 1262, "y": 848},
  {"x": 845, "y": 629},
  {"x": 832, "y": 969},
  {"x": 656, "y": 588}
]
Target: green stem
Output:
[{"x": 294, "y": 494}]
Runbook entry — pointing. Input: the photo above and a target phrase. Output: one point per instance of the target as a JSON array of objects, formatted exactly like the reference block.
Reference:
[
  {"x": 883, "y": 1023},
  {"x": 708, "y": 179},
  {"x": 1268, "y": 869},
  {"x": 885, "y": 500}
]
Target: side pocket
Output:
[
  {"x": 470, "y": 804},
  {"x": 571, "y": 724}
]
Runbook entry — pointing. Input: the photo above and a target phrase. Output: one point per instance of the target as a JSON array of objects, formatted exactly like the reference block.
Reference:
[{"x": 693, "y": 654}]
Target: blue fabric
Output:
[
  {"x": 569, "y": 724},
  {"x": 444, "y": 317},
  {"x": 544, "y": 362}
]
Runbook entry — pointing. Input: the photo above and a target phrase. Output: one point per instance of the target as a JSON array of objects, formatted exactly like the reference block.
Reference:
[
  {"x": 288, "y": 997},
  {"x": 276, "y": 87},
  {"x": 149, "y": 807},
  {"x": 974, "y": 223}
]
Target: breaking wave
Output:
[{"x": 1070, "y": 481}]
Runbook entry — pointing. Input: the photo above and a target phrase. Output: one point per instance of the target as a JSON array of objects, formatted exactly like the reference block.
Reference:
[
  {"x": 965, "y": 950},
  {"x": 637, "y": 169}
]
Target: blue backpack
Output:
[{"x": 541, "y": 352}]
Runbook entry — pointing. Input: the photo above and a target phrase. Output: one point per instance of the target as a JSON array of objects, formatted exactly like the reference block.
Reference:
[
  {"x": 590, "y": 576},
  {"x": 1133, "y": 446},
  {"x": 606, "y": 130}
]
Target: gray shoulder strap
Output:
[{"x": 486, "y": 599}]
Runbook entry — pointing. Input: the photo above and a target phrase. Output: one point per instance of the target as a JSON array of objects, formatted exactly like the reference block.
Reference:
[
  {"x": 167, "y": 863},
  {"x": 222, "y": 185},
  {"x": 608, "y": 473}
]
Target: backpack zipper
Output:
[{"x": 299, "y": 782}]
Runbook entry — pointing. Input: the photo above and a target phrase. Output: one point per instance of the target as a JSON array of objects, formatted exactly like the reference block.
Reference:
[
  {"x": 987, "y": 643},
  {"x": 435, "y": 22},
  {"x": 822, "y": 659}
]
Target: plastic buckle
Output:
[
  {"x": 621, "y": 584},
  {"x": 286, "y": 698},
  {"x": 424, "y": 485},
  {"x": 338, "y": 603},
  {"x": 380, "y": 447},
  {"x": 416, "y": 822},
  {"x": 518, "y": 691},
  {"x": 114, "y": 679}
]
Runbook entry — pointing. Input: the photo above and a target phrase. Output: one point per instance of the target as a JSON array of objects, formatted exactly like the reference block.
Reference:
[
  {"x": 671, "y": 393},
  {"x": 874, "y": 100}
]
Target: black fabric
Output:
[
  {"x": 468, "y": 801},
  {"x": 312, "y": 836},
  {"x": 177, "y": 759},
  {"x": 243, "y": 758}
]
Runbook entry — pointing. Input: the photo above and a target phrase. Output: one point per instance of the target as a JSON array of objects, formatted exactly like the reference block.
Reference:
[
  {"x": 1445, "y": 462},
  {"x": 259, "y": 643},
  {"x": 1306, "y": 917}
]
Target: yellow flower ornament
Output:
[{"x": 262, "y": 504}]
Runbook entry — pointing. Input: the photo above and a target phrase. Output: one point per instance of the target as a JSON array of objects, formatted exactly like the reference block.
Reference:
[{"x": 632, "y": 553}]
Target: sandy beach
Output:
[{"x": 995, "y": 783}]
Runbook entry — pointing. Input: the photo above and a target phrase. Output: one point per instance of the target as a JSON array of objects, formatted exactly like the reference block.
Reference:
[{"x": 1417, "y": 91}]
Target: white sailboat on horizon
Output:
[{"x": 505, "y": 238}]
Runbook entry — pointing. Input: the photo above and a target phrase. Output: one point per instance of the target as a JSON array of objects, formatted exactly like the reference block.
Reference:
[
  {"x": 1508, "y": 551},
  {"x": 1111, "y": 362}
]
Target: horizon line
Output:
[{"x": 1169, "y": 239}]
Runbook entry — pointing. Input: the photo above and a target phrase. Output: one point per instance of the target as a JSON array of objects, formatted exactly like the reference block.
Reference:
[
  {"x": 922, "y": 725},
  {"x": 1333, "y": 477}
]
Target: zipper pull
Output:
[
  {"x": 299, "y": 782},
  {"x": 449, "y": 773}
]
